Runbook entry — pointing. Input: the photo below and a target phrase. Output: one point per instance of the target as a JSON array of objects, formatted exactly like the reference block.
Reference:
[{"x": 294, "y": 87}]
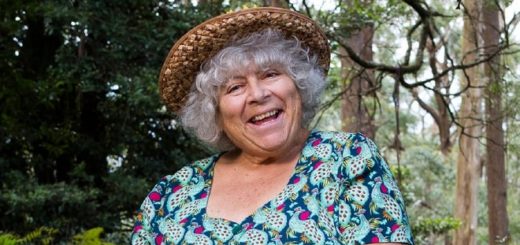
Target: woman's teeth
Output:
[{"x": 263, "y": 116}]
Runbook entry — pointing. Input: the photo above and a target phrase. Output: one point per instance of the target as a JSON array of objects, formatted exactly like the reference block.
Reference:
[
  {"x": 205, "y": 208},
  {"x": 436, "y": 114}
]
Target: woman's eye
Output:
[
  {"x": 233, "y": 88},
  {"x": 270, "y": 74}
]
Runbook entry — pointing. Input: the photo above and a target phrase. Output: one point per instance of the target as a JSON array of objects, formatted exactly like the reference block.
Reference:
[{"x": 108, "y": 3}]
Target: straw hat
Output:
[{"x": 205, "y": 40}]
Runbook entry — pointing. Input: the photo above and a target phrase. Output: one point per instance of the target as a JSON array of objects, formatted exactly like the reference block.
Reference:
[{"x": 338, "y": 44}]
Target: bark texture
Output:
[
  {"x": 470, "y": 115},
  {"x": 495, "y": 147},
  {"x": 356, "y": 116}
]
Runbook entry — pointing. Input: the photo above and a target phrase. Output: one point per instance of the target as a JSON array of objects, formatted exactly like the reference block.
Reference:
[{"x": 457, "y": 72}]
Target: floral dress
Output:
[{"x": 341, "y": 192}]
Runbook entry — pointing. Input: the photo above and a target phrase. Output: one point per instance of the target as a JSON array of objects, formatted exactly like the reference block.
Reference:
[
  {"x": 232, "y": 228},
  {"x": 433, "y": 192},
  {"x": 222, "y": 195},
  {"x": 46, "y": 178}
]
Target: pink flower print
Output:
[
  {"x": 158, "y": 239},
  {"x": 249, "y": 226},
  {"x": 342, "y": 229},
  {"x": 199, "y": 230},
  {"x": 203, "y": 195},
  {"x": 296, "y": 180},
  {"x": 176, "y": 188},
  {"x": 394, "y": 227},
  {"x": 317, "y": 165},
  {"x": 305, "y": 215},
  {"x": 280, "y": 207},
  {"x": 374, "y": 239},
  {"x": 138, "y": 228},
  {"x": 154, "y": 196},
  {"x": 358, "y": 151},
  {"x": 384, "y": 189}
]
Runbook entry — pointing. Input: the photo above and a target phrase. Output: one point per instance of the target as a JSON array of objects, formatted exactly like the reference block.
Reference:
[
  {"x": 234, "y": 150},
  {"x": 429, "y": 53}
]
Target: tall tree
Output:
[
  {"x": 358, "y": 82},
  {"x": 495, "y": 147},
  {"x": 470, "y": 118}
]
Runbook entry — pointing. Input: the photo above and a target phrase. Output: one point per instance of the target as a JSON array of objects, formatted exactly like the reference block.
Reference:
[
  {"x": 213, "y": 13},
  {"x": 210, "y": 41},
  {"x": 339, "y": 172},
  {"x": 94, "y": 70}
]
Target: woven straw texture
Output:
[{"x": 205, "y": 40}]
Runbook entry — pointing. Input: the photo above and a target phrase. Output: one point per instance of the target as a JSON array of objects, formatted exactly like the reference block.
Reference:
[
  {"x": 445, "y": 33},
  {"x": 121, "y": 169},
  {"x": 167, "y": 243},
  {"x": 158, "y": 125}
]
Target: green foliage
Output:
[
  {"x": 8, "y": 239},
  {"x": 426, "y": 226},
  {"x": 25, "y": 198},
  {"x": 356, "y": 14},
  {"x": 83, "y": 134},
  {"x": 46, "y": 235},
  {"x": 42, "y": 235},
  {"x": 90, "y": 237}
]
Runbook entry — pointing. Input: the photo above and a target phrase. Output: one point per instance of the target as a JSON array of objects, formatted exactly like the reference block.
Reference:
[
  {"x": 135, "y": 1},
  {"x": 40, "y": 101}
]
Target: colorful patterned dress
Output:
[{"x": 341, "y": 192}]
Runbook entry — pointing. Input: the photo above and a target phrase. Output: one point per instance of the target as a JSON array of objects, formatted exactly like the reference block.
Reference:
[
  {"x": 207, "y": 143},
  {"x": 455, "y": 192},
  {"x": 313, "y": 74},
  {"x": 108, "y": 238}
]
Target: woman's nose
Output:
[{"x": 257, "y": 91}]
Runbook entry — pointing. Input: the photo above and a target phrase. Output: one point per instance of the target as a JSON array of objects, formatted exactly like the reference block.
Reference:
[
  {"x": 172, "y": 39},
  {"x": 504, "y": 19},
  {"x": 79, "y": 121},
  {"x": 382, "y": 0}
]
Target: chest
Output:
[
  {"x": 294, "y": 210},
  {"x": 235, "y": 198}
]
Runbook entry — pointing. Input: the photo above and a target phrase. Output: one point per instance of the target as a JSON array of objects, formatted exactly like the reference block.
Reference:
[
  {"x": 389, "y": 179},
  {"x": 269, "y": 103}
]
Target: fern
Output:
[
  {"x": 43, "y": 235},
  {"x": 90, "y": 237},
  {"x": 8, "y": 239}
]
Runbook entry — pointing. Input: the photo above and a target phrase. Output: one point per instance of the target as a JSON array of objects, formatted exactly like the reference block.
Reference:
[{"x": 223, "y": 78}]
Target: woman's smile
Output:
[
  {"x": 266, "y": 122},
  {"x": 265, "y": 117}
]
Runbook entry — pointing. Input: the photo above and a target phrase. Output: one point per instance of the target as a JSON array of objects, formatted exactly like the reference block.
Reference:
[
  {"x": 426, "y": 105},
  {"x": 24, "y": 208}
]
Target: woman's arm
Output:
[{"x": 370, "y": 197}]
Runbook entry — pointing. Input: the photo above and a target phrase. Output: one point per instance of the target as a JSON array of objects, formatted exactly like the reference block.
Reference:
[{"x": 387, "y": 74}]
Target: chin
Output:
[{"x": 272, "y": 142}]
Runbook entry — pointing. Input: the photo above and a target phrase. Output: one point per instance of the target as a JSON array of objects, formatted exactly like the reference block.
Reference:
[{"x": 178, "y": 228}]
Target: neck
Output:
[{"x": 256, "y": 160}]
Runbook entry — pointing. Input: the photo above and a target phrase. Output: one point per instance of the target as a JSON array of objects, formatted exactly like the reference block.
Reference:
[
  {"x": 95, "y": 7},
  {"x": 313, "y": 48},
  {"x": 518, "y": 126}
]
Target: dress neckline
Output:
[{"x": 295, "y": 178}]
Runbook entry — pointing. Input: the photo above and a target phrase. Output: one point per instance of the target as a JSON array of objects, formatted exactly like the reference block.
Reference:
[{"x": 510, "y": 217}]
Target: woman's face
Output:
[{"x": 260, "y": 111}]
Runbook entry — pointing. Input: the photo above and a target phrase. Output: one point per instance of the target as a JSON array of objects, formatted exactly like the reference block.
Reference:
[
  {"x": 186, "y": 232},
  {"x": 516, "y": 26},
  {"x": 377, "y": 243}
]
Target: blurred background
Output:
[{"x": 84, "y": 136}]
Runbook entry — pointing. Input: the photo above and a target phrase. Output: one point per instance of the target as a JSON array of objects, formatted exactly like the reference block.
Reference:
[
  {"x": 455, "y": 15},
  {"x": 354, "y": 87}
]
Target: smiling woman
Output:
[{"x": 254, "y": 80}]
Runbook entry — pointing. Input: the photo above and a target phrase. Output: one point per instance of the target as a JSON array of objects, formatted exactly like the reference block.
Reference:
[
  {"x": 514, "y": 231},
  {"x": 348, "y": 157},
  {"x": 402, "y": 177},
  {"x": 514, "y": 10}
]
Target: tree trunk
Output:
[
  {"x": 495, "y": 147},
  {"x": 444, "y": 123},
  {"x": 356, "y": 116},
  {"x": 468, "y": 160}
]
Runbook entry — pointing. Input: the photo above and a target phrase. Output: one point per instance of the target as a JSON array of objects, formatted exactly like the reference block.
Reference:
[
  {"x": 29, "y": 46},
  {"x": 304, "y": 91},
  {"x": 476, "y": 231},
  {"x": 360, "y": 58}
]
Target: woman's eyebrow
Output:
[{"x": 234, "y": 77}]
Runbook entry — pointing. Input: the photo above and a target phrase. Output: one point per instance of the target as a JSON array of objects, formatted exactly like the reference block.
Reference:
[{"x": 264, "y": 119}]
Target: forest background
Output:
[{"x": 84, "y": 136}]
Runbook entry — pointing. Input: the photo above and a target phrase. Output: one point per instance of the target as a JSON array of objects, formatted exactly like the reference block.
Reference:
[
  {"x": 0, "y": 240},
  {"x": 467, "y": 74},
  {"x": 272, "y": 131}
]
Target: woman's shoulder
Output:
[
  {"x": 339, "y": 137},
  {"x": 339, "y": 145},
  {"x": 194, "y": 170}
]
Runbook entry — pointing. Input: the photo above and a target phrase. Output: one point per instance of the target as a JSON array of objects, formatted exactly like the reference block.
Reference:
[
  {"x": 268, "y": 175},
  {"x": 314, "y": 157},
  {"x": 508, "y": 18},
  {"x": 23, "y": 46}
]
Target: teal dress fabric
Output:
[{"x": 341, "y": 192}]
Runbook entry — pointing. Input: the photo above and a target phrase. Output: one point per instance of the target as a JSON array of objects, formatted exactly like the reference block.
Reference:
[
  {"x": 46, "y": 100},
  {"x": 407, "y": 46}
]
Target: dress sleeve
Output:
[
  {"x": 144, "y": 231},
  {"x": 371, "y": 208}
]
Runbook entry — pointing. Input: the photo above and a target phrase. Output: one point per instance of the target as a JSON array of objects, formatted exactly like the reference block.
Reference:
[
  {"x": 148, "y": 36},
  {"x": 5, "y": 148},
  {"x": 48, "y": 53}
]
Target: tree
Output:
[
  {"x": 440, "y": 111},
  {"x": 358, "y": 83},
  {"x": 470, "y": 117},
  {"x": 495, "y": 146}
]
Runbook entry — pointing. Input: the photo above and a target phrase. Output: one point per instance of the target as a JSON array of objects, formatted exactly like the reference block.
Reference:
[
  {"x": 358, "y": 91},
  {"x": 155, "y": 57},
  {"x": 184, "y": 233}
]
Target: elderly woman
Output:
[{"x": 248, "y": 83}]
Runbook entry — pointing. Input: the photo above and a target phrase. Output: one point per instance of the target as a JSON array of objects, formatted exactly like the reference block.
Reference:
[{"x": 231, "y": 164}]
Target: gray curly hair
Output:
[{"x": 263, "y": 49}]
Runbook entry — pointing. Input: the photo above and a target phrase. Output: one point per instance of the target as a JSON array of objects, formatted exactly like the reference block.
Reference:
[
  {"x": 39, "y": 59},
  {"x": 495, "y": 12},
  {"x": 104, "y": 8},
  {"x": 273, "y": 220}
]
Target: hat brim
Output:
[{"x": 205, "y": 40}]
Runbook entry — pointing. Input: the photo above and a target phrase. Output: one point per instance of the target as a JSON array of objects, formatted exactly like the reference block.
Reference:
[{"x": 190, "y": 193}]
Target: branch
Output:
[
  {"x": 422, "y": 12},
  {"x": 307, "y": 9},
  {"x": 382, "y": 67},
  {"x": 409, "y": 42},
  {"x": 427, "y": 107}
]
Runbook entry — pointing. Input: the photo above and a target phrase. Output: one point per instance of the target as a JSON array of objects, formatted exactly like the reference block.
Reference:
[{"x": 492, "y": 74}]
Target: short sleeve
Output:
[
  {"x": 371, "y": 207},
  {"x": 144, "y": 228}
]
